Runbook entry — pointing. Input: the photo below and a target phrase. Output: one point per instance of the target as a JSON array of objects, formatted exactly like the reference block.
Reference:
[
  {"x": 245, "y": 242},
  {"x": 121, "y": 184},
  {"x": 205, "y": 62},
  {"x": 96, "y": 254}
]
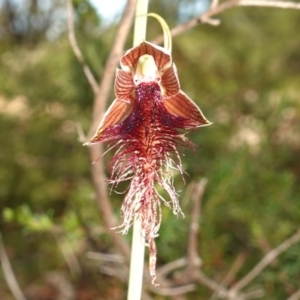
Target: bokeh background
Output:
[{"x": 245, "y": 76}]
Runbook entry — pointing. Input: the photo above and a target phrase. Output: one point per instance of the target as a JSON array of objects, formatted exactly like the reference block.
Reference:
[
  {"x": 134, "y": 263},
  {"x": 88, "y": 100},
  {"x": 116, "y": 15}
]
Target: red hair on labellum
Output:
[{"x": 143, "y": 122}]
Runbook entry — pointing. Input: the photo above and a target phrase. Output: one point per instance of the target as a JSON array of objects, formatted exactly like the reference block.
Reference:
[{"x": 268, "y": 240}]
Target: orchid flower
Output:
[{"x": 145, "y": 122}]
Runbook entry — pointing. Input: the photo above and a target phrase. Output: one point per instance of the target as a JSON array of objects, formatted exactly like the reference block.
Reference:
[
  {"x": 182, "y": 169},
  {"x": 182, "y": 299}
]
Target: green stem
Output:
[
  {"x": 136, "y": 263},
  {"x": 140, "y": 22},
  {"x": 138, "y": 243}
]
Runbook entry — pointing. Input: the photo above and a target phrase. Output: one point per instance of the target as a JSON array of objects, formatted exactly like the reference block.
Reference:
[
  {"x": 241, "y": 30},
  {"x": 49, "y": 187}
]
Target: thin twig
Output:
[
  {"x": 266, "y": 261},
  {"x": 96, "y": 152},
  {"x": 115, "y": 271},
  {"x": 236, "y": 266},
  {"x": 174, "y": 290},
  {"x": 112, "y": 62},
  {"x": 255, "y": 294},
  {"x": 109, "y": 220},
  {"x": 213, "y": 22},
  {"x": 110, "y": 264},
  {"x": 166, "y": 269},
  {"x": 214, "y": 3},
  {"x": 71, "y": 34},
  {"x": 8, "y": 272},
  {"x": 217, "y": 9},
  {"x": 192, "y": 272},
  {"x": 211, "y": 284},
  {"x": 194, "y": 260},
  {"x": 101, "y": 96},
  {"x": 181, "y": 28},
  {"x": 295, "y": 296},
  {"x": 105, "y": 257},
  {"x": 269, "y": 3},
  {"x": 98, "y": 169}
]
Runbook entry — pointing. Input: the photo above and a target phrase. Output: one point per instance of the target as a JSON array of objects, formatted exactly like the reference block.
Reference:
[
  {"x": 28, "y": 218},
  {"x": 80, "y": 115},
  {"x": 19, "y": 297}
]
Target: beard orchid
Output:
[{"x": 145, "y": 124}]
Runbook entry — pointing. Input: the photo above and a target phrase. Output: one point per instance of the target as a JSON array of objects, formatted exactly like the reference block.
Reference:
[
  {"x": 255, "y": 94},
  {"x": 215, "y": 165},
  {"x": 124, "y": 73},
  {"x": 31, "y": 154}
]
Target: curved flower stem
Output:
[
  {"x": 138, "y": 242},
  {"x": 166, "y": 31}
]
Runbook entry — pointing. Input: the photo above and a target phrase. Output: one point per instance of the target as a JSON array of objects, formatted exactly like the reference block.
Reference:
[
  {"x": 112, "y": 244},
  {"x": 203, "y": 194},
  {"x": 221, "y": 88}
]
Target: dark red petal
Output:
[
  {"x": 181, "y": 105},
  {"x": 169, "y": 82},
  {"x": 162, "y": 59},
  {"x": 124, "y": 86},
  {"x": 117, "y": 112}
]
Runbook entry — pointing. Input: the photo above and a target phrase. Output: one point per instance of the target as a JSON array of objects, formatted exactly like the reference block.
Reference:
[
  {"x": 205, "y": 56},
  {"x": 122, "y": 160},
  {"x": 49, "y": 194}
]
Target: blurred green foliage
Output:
[{"x": 244, "y": 74}]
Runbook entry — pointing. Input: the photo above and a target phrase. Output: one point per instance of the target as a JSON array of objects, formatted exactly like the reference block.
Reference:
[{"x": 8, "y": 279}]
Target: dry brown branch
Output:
[
  {"x": 105, "y": 257},
  {"x": 113, "y": 265},
  {"x": 181, "y": 28},
  {"x": 71, "y": 34},
  {"x": 167, "y": 285},
  {"x": 98, "y": 174},
  {"x": 255, "y": 294},
  {"x": 295, "y": 296},
  {"x": 211, "y": 284},
  {"x": 236, "y": 266},
  {"x": 234, "y": 292},
  {"x": 216, "y": 9},
  {"x": 8, "y": 273},
  {"x": 102, "y": 199},
  {"x": 214, "y": 3},
  {"x": 192, "y": 273},
  {"x": 166, "y": 269},
  {"x": 112, "y": 62},
  {"x": 110, "y": 264},
  {"x": 194, "y": 260},
  {"x": 174, "y": 290},
  {"x": 266, "y": 261},
  {"x": 115, "y": 271},
  {"x": 101, "y": 96},
  {"x": 269, "y": 3}
]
